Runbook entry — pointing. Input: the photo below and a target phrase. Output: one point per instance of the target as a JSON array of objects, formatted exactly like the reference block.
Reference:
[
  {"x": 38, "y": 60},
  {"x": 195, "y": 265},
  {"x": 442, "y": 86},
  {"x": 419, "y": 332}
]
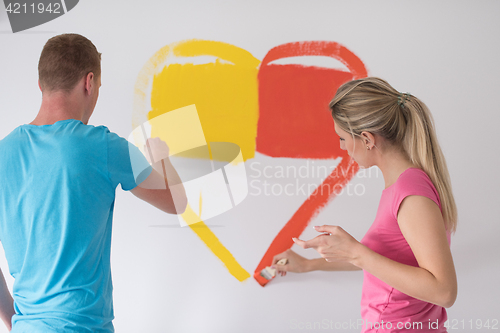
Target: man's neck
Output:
[{"x": 58, "y": 106}]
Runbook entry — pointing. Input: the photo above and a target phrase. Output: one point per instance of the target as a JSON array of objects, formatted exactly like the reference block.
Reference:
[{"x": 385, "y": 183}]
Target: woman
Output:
[{"x": 409, "y": 276}]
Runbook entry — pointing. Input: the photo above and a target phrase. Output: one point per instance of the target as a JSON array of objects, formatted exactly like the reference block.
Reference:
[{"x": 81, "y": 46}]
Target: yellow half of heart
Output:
[
  {"x": 225, "y": 93},
  {"x": 223, "y": 87}
]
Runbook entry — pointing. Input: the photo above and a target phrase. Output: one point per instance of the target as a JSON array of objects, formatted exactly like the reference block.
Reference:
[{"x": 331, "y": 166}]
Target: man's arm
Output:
[
  {"x": 6, "y": 303},
  {"x": 163, "y": 187},
  {"x": 155, "y": 189}
]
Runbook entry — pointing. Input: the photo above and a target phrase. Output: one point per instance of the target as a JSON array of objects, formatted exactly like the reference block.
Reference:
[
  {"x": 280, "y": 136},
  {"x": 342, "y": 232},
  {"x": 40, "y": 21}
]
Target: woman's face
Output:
[{"x": 356, "y": 148}]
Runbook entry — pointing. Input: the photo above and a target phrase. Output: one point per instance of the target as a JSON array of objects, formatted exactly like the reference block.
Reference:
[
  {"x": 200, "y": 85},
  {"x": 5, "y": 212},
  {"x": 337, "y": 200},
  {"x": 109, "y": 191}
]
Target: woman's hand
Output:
[
  {"x": 295, "y": 263},
  {"x": 335, "y": 244}
]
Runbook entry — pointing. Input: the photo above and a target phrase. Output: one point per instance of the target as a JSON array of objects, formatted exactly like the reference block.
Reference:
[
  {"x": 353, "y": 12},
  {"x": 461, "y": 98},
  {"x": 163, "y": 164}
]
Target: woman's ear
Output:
[{"x": 367, "y": 138}]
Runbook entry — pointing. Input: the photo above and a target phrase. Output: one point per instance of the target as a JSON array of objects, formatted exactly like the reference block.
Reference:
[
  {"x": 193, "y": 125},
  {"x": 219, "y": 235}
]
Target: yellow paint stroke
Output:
[
  {"x": 181, "y": 130},
  {"x": 213, "y": 243},
  {"x": 225, "y": 92},
  {"x": 226, "y": 95},
  {"x": 142, "y": 86}
]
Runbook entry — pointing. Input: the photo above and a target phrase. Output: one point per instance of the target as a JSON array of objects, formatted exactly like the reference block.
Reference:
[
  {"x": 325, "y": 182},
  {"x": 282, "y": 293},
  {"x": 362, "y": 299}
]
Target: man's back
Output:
[{"x": 56, "y": 206}]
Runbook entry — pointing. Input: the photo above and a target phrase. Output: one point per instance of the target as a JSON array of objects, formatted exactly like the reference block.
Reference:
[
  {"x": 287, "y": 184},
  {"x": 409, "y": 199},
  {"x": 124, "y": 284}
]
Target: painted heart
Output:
[{"x": 277, "y": 110}]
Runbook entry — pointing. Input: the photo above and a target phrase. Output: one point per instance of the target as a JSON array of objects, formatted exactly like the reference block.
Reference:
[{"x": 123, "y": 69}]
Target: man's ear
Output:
[
  {"x": 89, "y": 83},
  {"x": 39, "y": 86}
]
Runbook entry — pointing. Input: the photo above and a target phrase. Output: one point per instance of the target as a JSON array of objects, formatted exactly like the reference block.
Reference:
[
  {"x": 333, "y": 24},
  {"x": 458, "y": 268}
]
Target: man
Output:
[{"x": 58, "y": 177}]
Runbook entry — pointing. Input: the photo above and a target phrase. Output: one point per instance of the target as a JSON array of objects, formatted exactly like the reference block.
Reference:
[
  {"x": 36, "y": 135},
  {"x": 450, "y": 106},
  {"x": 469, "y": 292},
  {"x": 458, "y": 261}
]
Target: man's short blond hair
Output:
[{"x": 65, "y": 60}]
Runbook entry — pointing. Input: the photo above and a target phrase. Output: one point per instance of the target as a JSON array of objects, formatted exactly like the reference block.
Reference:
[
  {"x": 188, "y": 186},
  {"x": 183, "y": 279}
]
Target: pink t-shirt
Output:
[{"x": 383, "y": 308}]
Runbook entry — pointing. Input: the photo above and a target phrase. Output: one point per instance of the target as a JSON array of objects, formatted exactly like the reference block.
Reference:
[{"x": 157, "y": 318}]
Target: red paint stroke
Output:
[
  {"x": 294, "y": 121},
  {"x": 328, "y": 190}
]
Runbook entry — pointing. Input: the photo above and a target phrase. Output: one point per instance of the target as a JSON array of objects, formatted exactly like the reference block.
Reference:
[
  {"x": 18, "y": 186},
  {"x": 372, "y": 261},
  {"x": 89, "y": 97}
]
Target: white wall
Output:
[{"x": 165, "y": 278}]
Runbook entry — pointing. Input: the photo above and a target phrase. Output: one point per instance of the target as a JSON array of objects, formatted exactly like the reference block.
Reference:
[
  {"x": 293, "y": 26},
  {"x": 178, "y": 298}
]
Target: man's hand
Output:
[
  {"x": 156, "y": 150},
  {"x": 163, "y": 188},
  {"x": 6, "y": 303}
]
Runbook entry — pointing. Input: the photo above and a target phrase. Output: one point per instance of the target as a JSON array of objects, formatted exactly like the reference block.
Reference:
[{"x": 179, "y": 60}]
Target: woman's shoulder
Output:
[
  {"x": 415, "y": 181},
  {"x": 413, "y": 177}
]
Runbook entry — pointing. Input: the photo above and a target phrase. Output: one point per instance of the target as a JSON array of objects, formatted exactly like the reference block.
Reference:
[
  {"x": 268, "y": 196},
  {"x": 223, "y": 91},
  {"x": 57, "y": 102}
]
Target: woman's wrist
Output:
[
  {"x": 302, "y": 266},
  {"x": 361, "y": 252}
]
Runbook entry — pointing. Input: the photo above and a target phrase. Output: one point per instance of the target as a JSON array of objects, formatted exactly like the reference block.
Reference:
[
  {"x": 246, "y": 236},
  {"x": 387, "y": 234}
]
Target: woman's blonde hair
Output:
[{"x": 374, "y": 106}]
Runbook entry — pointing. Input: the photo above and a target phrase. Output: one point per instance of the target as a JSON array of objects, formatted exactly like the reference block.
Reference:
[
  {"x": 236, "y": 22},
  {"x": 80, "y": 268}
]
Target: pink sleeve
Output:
[{"x": 414, "y": 182}]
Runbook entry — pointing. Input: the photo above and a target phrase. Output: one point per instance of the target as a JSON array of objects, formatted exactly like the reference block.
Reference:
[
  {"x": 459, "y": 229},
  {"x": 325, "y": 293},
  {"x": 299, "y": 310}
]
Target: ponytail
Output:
[
  {"x": 374, "y": 106},
  {"x": 421, "y": 145}
]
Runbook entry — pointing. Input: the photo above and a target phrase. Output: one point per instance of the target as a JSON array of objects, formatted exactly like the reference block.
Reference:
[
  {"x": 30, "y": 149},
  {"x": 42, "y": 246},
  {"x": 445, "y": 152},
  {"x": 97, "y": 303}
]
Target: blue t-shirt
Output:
[{"x": 57, "y": 192}]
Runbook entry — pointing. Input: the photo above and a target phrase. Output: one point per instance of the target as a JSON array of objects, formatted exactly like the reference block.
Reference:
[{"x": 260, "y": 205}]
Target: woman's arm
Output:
[
  {"x": 422, "y": 225},
  {"x": 435, "y": 280},
  {"x": 6, "y": 303},
  {"x": 299, "y": 264}
]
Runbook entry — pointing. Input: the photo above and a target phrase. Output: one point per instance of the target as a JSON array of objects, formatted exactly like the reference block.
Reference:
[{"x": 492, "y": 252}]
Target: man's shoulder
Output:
[
  {"x": 105, "y": 130},
  {"x": 97, "y": 128},
  {"x": 9, "y": 137},
  {"x": 97, "y": 132}
]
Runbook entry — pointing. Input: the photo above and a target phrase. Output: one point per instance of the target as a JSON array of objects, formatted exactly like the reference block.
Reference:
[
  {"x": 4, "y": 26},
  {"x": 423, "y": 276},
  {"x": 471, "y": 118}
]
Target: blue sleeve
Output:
[{"x": 126, "y": 164}]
